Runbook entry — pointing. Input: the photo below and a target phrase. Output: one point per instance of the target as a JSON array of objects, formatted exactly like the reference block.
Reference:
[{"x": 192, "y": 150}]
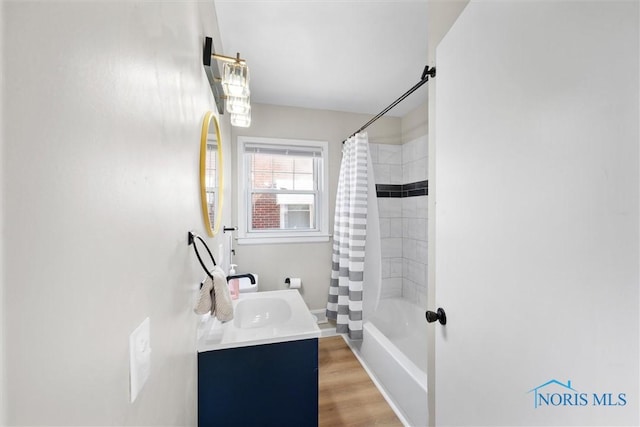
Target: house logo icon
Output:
[{"x": 556, "y": 393}]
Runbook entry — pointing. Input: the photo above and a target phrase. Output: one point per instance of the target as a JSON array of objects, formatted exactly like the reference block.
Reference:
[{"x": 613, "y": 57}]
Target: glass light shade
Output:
[
  {"x": 241, "y": 120},
  {"x": 235, "y": 79},
  {"x": 238, "y": 104}
]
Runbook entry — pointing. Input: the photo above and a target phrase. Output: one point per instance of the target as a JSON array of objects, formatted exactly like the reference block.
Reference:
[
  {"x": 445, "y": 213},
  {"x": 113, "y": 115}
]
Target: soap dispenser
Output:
[{"x": 234, "y": 284}]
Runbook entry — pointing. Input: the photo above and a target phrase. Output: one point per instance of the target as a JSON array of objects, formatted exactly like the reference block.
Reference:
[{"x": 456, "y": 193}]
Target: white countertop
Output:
[{"x": 260, "y": 318}]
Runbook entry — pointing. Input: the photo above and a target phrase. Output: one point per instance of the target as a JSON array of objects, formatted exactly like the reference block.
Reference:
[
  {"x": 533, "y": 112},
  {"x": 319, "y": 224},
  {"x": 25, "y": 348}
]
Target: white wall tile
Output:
[
  {"x": 409, "y": 207},
  {"x": 390, "y": 154},
  {"x": 395, "y": 229},
  {"x": 422, "y": 168},
  {"x": 408, "y": 152},
  {"x": 417, "y": 170},
  {"x": 392, "y": 267},
  {"x": 415, "y": 160},
  {"x": 395, "y": 267},
  {"x": 395, "y": 174},
  {"x": 414, "y": 271},
  {"x": 381, "y": 174},
  {"x": 415, "y": 250},
  {"x": 373, "y": 152},
  {"x": 422, "y": 147},
  {"x": 405, "y": 228},
  {"x": 385, "y": 268},
  {"x": 409, "y": 291},
  {"x": 422, "y": 300},
  {"x": 415, "y": 228},
  {"x": 391, "y": 248},
  {"x": 409, "y": 248},
  {"x": 416, "y": 148},
  {"x": 422, "y": 206},
  {"x": 391, "y": 287},
  {"x": 403, "y": 221},
  {"x": 422, "y": 229},
  {"x": 385, "y": 227},
  {"x": 409, "y": 173},
  {"x": 421, "y": 254},
  {"x": 389, "y": 207}
]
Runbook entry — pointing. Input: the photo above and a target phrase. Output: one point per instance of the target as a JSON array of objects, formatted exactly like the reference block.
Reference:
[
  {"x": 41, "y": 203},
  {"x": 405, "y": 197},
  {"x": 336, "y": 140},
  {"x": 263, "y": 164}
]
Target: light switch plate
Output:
[{"x": 139, "y": 357}]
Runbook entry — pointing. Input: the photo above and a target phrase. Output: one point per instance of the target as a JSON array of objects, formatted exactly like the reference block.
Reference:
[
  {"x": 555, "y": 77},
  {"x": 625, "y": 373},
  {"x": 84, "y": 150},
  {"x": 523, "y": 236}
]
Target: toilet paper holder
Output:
[{"x": 294, "y": 285}]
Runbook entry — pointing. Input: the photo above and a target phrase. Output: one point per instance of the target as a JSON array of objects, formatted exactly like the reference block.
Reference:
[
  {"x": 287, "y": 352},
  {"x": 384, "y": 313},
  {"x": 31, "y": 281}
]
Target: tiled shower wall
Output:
[
  {"x": 400, "y": 173},
  {"x": 387, "y": 169}
]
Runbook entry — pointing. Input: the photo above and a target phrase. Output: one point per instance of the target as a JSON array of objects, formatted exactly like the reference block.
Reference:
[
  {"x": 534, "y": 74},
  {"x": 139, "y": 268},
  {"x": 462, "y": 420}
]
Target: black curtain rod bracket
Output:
[{"x": 426, "y": 73}]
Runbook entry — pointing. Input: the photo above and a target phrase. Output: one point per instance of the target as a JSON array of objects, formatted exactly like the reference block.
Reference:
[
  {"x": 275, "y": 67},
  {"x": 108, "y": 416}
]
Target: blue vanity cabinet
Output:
[{"x": 263, "y": 385}]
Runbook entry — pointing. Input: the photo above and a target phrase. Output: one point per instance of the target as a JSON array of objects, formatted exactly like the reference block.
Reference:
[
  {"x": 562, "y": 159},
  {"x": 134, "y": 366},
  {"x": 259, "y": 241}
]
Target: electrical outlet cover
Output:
[{"x": 139, "y": 357}]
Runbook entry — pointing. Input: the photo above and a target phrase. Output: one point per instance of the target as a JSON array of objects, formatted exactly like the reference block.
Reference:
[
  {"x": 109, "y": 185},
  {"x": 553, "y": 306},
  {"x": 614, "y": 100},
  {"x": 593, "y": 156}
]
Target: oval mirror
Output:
[{"x": 211, "y": 173}]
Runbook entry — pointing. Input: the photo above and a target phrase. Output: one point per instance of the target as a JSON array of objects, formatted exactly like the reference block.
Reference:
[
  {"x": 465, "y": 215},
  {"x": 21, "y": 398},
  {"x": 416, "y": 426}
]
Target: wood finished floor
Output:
[{"x": 348, "y": 397}]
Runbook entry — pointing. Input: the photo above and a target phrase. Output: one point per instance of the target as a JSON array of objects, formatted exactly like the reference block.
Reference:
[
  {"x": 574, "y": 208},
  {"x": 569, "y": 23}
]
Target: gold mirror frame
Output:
[{"x": 211, "y": 229}]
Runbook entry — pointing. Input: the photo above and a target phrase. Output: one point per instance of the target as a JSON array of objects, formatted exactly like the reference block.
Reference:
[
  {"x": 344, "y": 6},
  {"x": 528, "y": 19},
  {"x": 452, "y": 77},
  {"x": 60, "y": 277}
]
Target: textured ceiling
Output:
[{"x": 354, "y": 56}]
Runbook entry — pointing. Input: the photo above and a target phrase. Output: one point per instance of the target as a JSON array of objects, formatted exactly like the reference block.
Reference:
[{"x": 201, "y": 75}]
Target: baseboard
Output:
[{"x": 321, "y": 315}]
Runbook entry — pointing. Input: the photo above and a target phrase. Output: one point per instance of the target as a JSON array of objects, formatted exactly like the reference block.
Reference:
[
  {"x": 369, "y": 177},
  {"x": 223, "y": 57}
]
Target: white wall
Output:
[
  {"x": 441, "y": 16},
  {"x": 415, "y": 124},
  {"x": 3, "y": 322},
  {"x": 310, "y": 261},
  {"x": 103, "y": 103}
]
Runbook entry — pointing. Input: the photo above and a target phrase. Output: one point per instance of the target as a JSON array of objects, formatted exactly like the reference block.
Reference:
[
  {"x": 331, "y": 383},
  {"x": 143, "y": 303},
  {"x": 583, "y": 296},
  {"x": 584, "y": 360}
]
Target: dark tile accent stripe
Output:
[
  {"x": 388, "y": 190},
  {"x": 388, "y": 187},
  {"x": 420, "y": 188}
]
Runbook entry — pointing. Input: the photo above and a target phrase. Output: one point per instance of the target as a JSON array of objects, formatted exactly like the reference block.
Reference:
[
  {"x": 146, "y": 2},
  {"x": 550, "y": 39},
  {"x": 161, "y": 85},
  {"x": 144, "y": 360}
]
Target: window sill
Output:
[{"x": 271, "y": 240}]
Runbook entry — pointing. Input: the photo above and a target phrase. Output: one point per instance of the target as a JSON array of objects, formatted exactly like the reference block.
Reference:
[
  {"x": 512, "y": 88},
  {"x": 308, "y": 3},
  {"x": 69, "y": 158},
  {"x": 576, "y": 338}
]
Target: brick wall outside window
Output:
[{"x": 266, "y": 212}]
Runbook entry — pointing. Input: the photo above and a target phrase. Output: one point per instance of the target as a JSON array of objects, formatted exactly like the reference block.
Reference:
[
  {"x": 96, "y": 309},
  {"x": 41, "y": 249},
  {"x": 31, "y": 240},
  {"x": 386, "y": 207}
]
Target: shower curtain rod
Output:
[{"x": 428, "y": 72}]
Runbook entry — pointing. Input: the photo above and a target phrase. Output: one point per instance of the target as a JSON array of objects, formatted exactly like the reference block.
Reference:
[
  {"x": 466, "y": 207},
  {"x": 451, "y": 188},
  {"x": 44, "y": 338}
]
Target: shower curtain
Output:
[{"x": 349, "y": 233}]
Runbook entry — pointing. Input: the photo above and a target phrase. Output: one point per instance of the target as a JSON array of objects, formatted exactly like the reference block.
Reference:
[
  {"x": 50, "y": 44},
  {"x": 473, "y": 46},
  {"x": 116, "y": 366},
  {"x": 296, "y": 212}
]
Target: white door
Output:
[{"x": 537, "y": 227}]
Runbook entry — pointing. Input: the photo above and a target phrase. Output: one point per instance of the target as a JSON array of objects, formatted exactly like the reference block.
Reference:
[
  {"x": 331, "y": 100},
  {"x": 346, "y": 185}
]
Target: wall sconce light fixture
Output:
[{"x": 232, "y": 85}]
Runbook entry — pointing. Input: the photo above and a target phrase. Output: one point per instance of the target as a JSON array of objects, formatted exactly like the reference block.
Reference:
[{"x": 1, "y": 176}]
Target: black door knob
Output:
[{"x": 440, "y": 316}]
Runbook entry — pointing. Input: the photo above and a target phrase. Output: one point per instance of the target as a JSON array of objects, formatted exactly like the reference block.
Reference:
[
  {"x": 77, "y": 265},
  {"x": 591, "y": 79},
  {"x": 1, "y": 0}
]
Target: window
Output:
[{"x": 283, "y": 191}]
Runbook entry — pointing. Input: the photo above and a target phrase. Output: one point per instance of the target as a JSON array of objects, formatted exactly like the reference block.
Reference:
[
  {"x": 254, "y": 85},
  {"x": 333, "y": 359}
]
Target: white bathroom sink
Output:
[
  {"x": 261, "y": 312},
  {"x": 260, "y": 318}
]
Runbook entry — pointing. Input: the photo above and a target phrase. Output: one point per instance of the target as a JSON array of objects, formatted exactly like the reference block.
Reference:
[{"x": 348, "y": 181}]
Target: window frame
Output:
[{"x": 321, "y": 231}]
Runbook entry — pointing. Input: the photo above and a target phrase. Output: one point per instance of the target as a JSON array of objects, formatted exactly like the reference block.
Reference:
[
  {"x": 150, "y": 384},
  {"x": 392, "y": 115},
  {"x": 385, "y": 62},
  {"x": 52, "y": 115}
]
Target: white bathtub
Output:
[{"x": 394, "y": 351}]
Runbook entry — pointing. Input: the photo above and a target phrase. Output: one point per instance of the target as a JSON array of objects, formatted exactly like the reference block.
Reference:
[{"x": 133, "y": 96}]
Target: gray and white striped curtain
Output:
[{"x": 349, "y": 233}]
